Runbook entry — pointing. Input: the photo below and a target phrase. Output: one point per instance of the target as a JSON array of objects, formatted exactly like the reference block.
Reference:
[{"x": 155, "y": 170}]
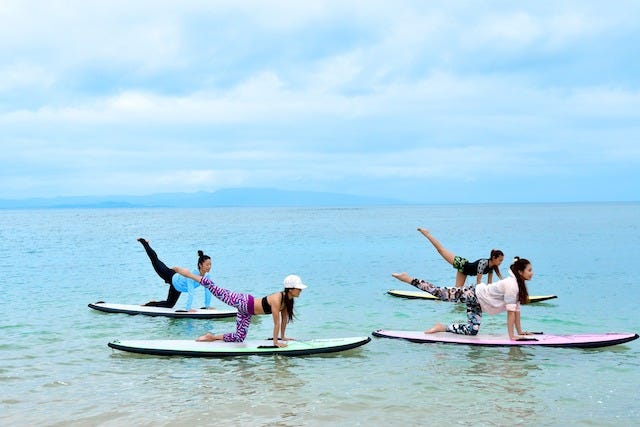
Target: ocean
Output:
[{"x": 56, "y": 368}]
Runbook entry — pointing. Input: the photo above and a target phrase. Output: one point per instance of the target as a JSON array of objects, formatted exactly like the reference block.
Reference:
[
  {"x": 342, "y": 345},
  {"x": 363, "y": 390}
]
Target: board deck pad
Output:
[
  {"x": 428, "y": 296},
  {"x": 194, "y": 348},
  {"x": 577, "y": 340},
  {"x": 162, "y": 311}
]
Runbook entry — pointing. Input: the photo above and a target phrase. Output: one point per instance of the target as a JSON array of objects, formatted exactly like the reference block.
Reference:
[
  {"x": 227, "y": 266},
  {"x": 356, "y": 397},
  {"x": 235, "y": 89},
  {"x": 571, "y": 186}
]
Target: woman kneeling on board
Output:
[
  {"x": 178, "y": 284},
  {"x": 279, "y": 305},
  {"x": 503, "y": 295}
]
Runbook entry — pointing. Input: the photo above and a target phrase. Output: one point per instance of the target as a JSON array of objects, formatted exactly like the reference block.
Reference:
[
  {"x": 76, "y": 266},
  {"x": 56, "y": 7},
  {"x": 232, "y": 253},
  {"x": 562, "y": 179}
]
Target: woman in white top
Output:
[{"x": 503, "y": 295}]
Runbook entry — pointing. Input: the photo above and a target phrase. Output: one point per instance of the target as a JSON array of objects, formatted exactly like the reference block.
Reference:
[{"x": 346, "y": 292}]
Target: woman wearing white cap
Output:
[{"x": 279, "y": 305}]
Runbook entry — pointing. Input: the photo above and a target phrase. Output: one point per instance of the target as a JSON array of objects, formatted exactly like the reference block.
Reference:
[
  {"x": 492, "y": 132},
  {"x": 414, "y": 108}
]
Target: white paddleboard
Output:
[
  {"x": 577, "y": 340},
  {"x": 194, "y": 348},
  {"x": 162, "y": 311},
  {"x": 428, "y": 296}
]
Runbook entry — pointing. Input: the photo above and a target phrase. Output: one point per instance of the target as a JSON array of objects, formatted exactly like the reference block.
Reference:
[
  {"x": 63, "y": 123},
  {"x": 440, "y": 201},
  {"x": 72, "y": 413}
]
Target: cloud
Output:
[{"x": 365, "y": 96}]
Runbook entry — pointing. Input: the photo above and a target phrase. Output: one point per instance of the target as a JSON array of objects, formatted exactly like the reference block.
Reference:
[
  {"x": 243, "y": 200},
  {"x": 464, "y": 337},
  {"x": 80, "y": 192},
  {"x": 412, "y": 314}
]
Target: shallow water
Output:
[{"x": 56, "y": 368}]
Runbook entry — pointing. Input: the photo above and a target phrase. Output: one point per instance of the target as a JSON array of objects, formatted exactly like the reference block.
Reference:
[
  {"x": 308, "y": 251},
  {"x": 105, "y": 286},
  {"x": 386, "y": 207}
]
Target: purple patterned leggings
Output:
[{"x": 242, "y": 302}]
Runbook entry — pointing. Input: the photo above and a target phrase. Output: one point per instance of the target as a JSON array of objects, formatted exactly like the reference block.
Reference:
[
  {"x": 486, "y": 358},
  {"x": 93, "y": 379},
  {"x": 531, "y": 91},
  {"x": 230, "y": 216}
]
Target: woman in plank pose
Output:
[
  {"x": 278, "y": 304},
  {"x": 177, "y": 283},
  {"x": 465, "y": 268},
  {"x": 504, "y": 295}
]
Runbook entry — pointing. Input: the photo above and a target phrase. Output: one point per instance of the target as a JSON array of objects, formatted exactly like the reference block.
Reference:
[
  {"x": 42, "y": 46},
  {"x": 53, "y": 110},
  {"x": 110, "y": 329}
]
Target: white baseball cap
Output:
[{"x": 293, "y": 281}]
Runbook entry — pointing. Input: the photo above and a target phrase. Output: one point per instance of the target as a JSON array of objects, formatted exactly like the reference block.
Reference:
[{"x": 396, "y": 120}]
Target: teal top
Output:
[{"x": 188, "y": 286}]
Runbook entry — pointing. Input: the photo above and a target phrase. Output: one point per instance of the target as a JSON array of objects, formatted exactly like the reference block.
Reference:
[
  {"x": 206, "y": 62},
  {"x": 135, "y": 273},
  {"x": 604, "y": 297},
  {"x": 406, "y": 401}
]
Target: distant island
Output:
[{"x": 234, "y": 197}]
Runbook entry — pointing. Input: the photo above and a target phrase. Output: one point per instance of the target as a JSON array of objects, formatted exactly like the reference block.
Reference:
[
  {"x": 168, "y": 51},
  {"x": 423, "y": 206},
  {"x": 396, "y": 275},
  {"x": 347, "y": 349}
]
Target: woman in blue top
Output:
[{"x": 178, "y": 283}]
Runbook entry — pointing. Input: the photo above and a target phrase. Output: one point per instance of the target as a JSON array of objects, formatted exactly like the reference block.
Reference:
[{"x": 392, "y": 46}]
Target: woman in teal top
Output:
[{"x": 178, "y": 283}]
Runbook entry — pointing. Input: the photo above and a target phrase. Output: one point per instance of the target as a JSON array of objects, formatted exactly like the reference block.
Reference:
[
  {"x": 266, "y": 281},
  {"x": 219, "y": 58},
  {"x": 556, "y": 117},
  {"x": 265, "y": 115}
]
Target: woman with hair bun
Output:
[
  {"x": 465, "y": 268},
  {"x": 178, "y": 283},
  {"x": 504, "y": 295}
]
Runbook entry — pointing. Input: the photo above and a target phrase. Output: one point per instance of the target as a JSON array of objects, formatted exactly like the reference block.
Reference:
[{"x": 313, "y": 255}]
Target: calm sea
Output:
[{"x": 56, "y": 368}]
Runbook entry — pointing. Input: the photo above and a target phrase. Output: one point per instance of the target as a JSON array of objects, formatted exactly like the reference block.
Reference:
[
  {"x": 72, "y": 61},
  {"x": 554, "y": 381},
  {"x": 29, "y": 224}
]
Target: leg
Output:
[
  {"x": 474, "y": 317},
  {"x": 163, "y": 271},
  {"x": 210, "y": 337},
  {"x": 460, "y": 279},
  {"x": 172, "y": 299},
  {"x": 243, "y": 321},
  {"x": 445, "y": 253},
  {"x": 235, "y": 299},
  {"x": 443, "y": 293}
]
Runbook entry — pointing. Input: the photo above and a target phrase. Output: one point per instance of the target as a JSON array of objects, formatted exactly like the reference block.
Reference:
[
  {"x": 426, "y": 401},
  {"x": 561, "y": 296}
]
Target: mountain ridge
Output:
[{"x": 229, "y": 197}]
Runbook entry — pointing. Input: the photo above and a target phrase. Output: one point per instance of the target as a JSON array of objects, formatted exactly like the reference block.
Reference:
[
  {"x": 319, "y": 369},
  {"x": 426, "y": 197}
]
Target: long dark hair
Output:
[
  {"x": 288, "y": 303},
  {"x": 202, "y": 258},
  {"x": 519, "y": 264}
]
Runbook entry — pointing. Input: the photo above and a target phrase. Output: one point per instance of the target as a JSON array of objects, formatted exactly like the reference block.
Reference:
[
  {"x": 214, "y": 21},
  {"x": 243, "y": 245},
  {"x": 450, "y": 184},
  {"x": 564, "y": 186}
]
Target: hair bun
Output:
[
  {"x": 516, "y": 258},
  {"x": 200, "y": 253}
]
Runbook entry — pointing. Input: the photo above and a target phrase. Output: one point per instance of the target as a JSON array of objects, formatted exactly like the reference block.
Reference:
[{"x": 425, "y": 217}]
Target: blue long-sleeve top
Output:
[{"x": 186, "y": 285}]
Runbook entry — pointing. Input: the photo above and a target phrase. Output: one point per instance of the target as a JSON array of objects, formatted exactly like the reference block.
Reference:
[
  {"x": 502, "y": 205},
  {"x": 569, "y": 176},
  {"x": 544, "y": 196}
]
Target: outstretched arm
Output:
[{"x": 186, "y": 273}]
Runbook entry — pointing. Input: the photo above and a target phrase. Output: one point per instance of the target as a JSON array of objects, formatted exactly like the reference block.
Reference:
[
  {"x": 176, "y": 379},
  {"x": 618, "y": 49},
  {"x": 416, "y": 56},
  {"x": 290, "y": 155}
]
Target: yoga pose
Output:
[
  {"x": 178, "y": 283},
  {"x": 278, "y": 304},
  {"x": 503, "y": 295},
  {"x": 465, "y": 268}
]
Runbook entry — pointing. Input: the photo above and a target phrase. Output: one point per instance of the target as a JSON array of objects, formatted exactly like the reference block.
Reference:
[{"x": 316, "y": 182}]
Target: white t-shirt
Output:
[{"x": 499, "y": 296}]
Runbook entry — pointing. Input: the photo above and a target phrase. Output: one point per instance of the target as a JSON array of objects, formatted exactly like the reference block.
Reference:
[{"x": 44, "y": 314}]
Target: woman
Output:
[
  {"x": 465, "y": 268},
  {"x": 503, "y": 295},
  {"x": 279, "y": 305},
  {"x": 177, "y": 283}
]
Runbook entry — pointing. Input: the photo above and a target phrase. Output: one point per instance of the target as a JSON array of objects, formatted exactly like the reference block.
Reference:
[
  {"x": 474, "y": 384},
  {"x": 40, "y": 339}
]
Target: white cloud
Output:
[{"x": 314, "y": 94}]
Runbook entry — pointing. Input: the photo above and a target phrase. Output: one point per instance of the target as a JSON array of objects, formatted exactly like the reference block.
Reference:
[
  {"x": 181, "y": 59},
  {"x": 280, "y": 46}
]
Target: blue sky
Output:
[{"x": 437, "y": 101}]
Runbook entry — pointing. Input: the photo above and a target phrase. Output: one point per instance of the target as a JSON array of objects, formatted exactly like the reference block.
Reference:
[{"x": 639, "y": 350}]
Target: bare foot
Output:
[
  {"x": 424, "y": 232},
  {"x": 206, "y": 337},
  {"x": 438, "y": 328},
  {"x": 403, "y": 277}
]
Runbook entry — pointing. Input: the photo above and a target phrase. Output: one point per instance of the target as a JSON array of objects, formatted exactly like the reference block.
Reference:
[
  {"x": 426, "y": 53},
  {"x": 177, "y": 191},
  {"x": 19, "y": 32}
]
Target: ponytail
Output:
[
  {"x": 288, "y": 303},
  {"x": 519, "y": 264}
]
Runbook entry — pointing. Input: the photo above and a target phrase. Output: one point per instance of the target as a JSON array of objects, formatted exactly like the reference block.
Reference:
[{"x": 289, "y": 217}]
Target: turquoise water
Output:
[{"x": 56, "y": 368}]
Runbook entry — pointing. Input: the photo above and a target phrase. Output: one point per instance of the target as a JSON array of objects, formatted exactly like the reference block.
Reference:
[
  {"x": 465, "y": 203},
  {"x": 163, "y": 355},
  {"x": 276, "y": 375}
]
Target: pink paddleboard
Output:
[{"x": 578, "y": 340}]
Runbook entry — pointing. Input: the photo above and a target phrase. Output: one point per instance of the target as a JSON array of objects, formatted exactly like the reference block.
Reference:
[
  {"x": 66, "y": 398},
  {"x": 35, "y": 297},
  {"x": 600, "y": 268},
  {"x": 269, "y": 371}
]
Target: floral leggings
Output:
[
  {"x": 242, "y": 302},
  {"x": 465, "y": 294}
]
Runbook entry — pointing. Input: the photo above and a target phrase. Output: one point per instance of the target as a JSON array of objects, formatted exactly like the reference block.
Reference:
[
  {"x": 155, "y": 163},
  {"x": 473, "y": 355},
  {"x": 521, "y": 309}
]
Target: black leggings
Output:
[{"x": 165, "y": 274}]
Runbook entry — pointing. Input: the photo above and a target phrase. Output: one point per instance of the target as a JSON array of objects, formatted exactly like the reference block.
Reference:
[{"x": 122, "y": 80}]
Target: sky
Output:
[{"x": 422, "y": 101}]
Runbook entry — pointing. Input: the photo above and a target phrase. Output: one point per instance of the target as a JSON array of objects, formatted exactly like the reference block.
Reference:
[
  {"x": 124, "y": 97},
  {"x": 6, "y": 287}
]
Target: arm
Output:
[
  {"x": 275, "y": 301},
  {"x": 479, "y": 278},
  {"x": 207, "y": 298},
  {"x": 513, "y": 320},
  {"x": 190, "y": 298},
  {"x": 497, "y": 270},
  {"x": 489, "y": 277},
  {"x": 186, "y": 273},
  {"x": 284, "y": 321}
]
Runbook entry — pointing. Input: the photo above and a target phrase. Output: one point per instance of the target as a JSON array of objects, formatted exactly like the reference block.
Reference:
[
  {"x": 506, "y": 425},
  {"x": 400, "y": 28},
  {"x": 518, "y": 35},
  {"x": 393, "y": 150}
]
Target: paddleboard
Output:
[
  {"x": 579, "y": 340},
  {"x": 194, "y": 348},
  {"x": 428, "y": 296},
  {"x": 162, "y": 311}
]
